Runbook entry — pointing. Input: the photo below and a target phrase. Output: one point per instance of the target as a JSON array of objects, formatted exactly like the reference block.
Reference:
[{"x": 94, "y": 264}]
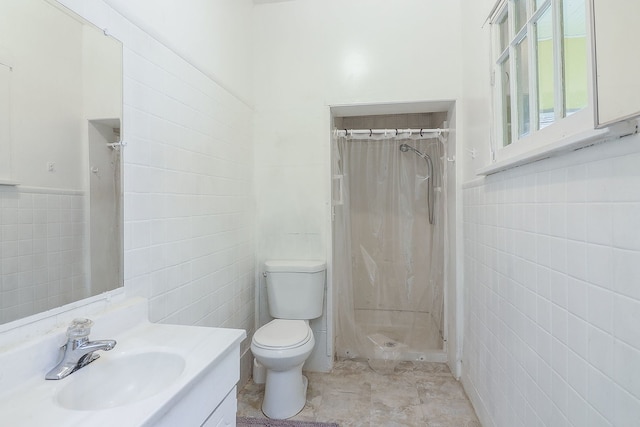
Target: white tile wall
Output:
[
  {"x": 552, "y": 304},
  {"x": 42, "y": 235},
  {"x": 188, "y": 191},
  {"x": 188, "y": 184}
]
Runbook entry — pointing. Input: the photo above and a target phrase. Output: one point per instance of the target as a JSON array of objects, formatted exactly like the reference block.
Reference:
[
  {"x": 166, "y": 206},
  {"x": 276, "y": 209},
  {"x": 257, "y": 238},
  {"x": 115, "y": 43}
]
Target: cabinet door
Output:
[
  {"x": 225, "y": 413},
  {"x": 617, "y": 62}
]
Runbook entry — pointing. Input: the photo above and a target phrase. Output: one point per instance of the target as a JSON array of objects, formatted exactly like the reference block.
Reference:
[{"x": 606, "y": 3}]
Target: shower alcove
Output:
[{"x": 393, "y": 190}]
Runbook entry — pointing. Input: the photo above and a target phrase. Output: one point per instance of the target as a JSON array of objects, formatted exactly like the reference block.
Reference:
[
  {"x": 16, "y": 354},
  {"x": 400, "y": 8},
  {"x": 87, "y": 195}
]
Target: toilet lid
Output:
[{"x": 280, "y": 333}]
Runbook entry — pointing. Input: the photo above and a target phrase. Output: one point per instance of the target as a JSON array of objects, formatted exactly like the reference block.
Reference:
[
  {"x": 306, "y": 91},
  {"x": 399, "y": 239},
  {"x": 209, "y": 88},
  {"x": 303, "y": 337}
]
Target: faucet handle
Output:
[{"x": 79, "y": 328}]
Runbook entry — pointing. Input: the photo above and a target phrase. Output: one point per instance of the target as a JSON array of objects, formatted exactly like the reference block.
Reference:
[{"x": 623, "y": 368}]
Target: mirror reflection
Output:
[{"x": 60, "y": 158}]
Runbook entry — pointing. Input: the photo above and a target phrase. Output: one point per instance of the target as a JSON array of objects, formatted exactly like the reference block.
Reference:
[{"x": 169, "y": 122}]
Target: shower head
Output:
[{"x": 404, "y": 148}]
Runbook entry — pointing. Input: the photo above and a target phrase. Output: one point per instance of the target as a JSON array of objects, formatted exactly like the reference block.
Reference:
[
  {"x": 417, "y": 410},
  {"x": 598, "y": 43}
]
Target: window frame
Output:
[{"x": 566, "y": 132}]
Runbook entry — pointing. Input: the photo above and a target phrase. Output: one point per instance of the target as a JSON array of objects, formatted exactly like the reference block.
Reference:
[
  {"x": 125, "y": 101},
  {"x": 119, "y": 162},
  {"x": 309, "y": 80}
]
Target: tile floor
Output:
[{"x": 415, "y": 394}]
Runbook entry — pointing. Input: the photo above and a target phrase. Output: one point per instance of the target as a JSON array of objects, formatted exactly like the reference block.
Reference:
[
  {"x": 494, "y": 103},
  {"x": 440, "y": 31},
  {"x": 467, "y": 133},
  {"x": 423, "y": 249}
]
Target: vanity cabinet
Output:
[
  {"x": 211, "y": 401},
  {"x": 616, "y": 34}
]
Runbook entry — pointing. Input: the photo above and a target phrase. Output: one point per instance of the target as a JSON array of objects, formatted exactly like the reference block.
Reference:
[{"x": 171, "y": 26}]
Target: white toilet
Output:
[{"x": 295, "y": 294}]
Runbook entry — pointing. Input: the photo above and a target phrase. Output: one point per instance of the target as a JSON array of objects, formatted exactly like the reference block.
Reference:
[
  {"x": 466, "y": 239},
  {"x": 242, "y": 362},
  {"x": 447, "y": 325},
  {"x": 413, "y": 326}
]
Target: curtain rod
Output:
[{"x": 421, "y": 132}]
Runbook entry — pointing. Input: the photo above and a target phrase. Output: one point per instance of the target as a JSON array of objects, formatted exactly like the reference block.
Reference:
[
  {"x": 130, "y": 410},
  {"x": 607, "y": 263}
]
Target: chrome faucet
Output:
[{"x": 78, "y": 352}]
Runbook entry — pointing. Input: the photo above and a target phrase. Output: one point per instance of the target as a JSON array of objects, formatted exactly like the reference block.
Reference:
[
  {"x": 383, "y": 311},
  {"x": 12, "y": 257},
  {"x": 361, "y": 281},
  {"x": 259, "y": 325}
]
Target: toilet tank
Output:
[{"x": 295, "y": 289}]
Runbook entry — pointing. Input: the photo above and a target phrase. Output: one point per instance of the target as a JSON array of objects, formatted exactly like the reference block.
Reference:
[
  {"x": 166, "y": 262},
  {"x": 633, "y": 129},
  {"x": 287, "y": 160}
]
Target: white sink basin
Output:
[
  {"x": 158, "y": 375},
  {"x": 114, "y": 381}
]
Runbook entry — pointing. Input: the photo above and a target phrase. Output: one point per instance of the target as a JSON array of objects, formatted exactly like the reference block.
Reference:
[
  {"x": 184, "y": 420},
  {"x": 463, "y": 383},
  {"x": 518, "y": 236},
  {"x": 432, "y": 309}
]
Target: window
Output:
[{"x": 541, "y": 74}]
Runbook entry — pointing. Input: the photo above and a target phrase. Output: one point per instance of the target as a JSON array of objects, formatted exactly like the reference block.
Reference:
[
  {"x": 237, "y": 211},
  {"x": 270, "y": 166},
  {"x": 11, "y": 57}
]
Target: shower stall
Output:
[{"x": 388, "y": 244}]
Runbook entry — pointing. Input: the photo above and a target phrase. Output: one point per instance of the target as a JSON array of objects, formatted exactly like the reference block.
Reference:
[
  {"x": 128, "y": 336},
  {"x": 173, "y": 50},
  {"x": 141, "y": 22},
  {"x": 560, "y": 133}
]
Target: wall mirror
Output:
[{"x": 60, "y": 158}]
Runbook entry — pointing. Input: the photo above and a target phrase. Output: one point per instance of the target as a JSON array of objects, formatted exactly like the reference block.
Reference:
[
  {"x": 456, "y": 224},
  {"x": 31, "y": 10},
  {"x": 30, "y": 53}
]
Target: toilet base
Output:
[{"x": 285, "y": 393}]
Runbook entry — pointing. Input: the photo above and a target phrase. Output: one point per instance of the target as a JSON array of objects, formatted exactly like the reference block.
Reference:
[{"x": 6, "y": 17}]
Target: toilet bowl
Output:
[
  {"x": 295, "y": 294},
  {"x": 282, "y": 346}
]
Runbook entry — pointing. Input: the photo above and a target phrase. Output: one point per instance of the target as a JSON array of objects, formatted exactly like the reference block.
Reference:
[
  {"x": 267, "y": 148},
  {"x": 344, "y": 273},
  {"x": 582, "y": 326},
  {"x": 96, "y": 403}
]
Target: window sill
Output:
[{"x": 561, "y": 146}]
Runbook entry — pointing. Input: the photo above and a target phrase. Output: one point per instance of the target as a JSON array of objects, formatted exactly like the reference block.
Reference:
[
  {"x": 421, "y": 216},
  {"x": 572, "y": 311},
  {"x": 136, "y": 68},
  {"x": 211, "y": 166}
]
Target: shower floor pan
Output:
[{"x": 422, "y": 345}]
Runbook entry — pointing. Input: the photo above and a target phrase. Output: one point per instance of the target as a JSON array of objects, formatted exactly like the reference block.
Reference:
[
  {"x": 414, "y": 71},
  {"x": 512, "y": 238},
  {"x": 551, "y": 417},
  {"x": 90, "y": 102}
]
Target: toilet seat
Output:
[{"x": 282, "y": 334}]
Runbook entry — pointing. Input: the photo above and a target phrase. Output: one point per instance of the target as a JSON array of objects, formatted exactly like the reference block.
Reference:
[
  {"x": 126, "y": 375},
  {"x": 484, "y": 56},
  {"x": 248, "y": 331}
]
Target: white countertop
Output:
[{"x": 27, "y": 399}]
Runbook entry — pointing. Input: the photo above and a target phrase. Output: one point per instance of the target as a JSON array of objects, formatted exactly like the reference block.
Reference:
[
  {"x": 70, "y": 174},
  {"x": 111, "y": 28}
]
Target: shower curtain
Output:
[{"x": 388, "y": 259}]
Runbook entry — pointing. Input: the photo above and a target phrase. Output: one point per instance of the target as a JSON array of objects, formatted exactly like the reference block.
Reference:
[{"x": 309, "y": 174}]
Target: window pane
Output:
[
  {"x": 538, "y": 3},
  {"x": 520, "y": 11},
  {"x": 506, "y": 102},
  {"x": 522, "y": 79},
  {"x": 575, "y": 55},
  {"x": 545, "y": 69},
  {"x": 503, "y": 29}
]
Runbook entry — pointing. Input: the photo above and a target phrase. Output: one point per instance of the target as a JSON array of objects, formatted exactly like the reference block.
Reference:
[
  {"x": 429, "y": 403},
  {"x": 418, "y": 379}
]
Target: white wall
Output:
[
  {"x": 550, "y": 273},
  {"x": 310, "y": 54},
  {"x": 188, "y": 173},
  {"x": 211, "y": 35}
]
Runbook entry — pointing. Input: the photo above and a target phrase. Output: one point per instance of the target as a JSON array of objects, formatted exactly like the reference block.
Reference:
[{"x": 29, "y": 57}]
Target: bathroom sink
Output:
[
  {"x": 120, "y": 380},
  {"x": 158, "y": 375}
]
